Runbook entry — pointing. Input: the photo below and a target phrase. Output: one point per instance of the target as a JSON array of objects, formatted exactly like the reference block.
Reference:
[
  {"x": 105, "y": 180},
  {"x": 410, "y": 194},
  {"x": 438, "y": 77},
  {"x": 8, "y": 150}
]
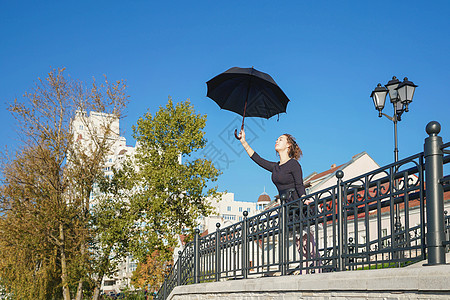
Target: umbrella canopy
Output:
[{"x": 248, "y": 92}]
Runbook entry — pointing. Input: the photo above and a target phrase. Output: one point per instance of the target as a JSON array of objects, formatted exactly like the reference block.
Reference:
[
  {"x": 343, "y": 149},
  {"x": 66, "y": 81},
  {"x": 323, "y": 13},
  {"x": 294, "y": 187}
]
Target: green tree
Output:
[
  {"x": 168, "y": 188},
  {"x": 113, "y": 224},
  {"x": 45, "y": 220},
  {"x": 28, "y": 254}
]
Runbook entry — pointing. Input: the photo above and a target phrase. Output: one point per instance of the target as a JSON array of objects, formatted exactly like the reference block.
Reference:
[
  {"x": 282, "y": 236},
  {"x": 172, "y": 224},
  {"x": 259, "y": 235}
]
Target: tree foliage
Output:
[
  {"x": 45, "y": 221},
  {"x": 113, "y": 224},
  {"x": 168, "y": 188},
  {"x": 152, "y": 271},
  {"x": 55, "y": 241}
]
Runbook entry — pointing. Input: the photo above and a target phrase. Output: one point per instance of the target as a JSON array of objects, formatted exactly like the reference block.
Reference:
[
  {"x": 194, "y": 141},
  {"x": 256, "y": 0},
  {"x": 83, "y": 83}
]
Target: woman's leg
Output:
[{"x": 308, "y": 250}]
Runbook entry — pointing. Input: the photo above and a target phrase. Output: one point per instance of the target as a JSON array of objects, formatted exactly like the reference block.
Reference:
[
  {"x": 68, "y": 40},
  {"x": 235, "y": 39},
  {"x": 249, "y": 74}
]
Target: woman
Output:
[
  {"x": 287, "y": 173},
  {"x": 288, "y": 178}
]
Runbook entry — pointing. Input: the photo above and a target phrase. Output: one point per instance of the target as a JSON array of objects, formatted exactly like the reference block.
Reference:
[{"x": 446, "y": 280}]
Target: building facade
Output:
[
  {"x": 85, "y": 126},
  {"x": 360, "y": 163},
  {"x": 227, "y": 211}
]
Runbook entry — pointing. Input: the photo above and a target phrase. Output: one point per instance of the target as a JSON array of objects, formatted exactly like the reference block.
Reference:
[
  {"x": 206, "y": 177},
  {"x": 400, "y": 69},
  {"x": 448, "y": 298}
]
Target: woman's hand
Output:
[
  {"x": 242, "y": 136},
  {"x": 244, "y": 143},
  {"x": 308, "y": 201}
]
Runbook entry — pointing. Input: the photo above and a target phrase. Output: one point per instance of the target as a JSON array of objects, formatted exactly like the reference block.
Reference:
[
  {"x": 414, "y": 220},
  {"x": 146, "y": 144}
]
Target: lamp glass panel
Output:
[
  {"x": 393, "y": 94},
  {"x": 379, "y": 99},
  {"x": 399, "y": 107},
  {"x": 409, "y": 93},
  {"x": 402, "y": 93},
  {"x": 375, "y": 102}
]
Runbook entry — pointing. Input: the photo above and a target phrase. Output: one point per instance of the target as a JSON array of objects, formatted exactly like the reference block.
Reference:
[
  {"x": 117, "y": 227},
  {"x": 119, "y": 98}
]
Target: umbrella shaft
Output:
[{"x": 243, "y": 117}]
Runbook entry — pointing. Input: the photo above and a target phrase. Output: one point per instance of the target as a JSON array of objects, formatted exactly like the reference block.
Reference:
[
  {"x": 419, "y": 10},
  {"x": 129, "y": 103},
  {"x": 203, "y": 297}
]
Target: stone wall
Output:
[
  {"x": 414, "y": 282},
  {"x": 314, "y": 296}
]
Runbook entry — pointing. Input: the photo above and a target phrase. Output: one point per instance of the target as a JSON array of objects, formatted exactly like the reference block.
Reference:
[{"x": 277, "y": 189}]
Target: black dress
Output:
[{"x": 287, "y": 176}]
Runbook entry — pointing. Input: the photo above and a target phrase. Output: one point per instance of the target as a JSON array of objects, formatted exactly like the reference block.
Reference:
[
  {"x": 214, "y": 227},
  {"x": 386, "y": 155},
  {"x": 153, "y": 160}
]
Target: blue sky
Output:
[{"x": 327, "y": 56}]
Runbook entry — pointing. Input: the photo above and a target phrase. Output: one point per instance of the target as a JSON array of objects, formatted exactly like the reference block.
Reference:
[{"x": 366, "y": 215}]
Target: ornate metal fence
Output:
[{"x": 376, "y": 220}]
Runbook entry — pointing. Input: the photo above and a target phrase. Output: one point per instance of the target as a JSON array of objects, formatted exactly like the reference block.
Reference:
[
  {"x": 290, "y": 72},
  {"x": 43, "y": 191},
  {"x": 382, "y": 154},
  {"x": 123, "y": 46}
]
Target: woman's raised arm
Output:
[{"x": 244, "y": 143}]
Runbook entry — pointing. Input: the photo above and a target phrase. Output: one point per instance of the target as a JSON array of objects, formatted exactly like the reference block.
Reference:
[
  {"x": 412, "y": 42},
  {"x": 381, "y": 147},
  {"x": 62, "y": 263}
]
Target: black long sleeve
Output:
[
  {"x": 286, "y": 176},
  {"x": 265, "y": 164}
]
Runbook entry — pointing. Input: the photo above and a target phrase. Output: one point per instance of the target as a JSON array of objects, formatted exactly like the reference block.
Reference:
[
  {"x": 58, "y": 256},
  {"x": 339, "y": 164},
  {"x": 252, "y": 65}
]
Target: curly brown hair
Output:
[{"x": 294, "y": 150}]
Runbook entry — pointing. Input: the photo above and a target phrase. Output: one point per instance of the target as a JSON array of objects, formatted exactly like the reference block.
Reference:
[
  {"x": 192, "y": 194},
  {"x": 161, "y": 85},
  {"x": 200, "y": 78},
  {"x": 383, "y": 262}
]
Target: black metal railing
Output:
[{"x": 376, "y": 220}]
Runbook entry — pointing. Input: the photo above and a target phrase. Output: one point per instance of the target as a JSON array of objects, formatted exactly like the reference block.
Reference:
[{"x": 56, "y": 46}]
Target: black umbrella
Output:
[{"x": 248, "y": 92}]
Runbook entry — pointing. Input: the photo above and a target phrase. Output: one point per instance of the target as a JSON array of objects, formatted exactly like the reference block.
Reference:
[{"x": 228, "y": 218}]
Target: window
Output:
[
  {"x": 240, "y": 209},
  {"x": 229, "y": 217},
  {"x": 385, "y": 241},
  {"x": 81, "y": 127},
  {"x": 248, "y": 209},
  {"x": 133, "y": 267},
  {"x": 109, "y": 282},
  {"x": 229, "y": 208},
  {"x": 240, "y": 218}
]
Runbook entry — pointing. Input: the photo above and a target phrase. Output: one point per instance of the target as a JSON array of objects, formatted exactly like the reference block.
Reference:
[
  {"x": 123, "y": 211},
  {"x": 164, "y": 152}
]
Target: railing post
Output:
[
  {"x": 165, "y": 288},
  {"x": 218, "y": 271},
  {"x": 197, "y": 256},
  {"x": 244, "y": 246},
  {"x": 340, "y": 175},
  {"x": 179, "y": 268},
  {"x": 351, "y": 248},
  {"x": 447, "y": 230},
  {"x": 282, "y": 238},
  {"x": 434, "y": 195}
]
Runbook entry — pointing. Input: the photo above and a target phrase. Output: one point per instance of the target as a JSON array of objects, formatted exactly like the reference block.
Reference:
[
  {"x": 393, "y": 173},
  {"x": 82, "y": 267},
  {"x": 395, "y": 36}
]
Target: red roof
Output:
[
  {"x": 264, "y": 198},
  {"x": 412, "y": 203},
  {"x": 327, "y": 172}
]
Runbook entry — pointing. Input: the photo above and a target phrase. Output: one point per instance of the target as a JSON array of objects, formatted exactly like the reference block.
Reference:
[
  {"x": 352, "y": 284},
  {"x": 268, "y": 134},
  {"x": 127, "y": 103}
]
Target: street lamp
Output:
[{"x": 401, "y": 95}]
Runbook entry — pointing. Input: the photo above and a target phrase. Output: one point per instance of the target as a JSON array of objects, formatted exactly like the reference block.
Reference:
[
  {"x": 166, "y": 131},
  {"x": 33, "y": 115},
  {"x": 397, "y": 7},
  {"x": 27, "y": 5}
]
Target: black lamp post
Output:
[{"x": 401, "y": 94}]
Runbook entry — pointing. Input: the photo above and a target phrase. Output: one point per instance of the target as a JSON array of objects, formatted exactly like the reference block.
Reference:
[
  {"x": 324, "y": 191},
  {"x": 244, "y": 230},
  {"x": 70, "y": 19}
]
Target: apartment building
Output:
[
  {"x": 227, "y": 211},
  {"x": 85, "y": 126}
]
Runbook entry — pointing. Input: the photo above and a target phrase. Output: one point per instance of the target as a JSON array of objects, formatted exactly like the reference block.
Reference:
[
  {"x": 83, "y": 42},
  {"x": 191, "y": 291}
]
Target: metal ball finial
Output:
[
  {"x": 433, "y": 128},
  {"x": 218, "y": 225},
  {"x": 339, "y": 174},
  {"x": 245, "y": 213},
  {"x": 197, "y": 231}
]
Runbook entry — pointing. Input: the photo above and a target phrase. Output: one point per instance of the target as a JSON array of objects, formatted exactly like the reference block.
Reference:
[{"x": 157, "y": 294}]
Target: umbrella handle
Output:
[
  {"x": 235, "y": 131},
  {"x": 235, "y": 135}
]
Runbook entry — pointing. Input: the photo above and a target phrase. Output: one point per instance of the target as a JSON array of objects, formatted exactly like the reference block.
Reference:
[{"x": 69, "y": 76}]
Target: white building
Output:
[
  {"x": 85, "y": 126},
  {"x": 359, "y": 164},
  {"x": 97, "y": 124},
  {"x": 227, "y": 211}
]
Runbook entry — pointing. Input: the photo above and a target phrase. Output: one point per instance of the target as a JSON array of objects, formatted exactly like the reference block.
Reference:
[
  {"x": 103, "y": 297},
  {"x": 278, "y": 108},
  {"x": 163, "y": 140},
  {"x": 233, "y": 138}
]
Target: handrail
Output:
[{"x": 379, "y": 216}]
